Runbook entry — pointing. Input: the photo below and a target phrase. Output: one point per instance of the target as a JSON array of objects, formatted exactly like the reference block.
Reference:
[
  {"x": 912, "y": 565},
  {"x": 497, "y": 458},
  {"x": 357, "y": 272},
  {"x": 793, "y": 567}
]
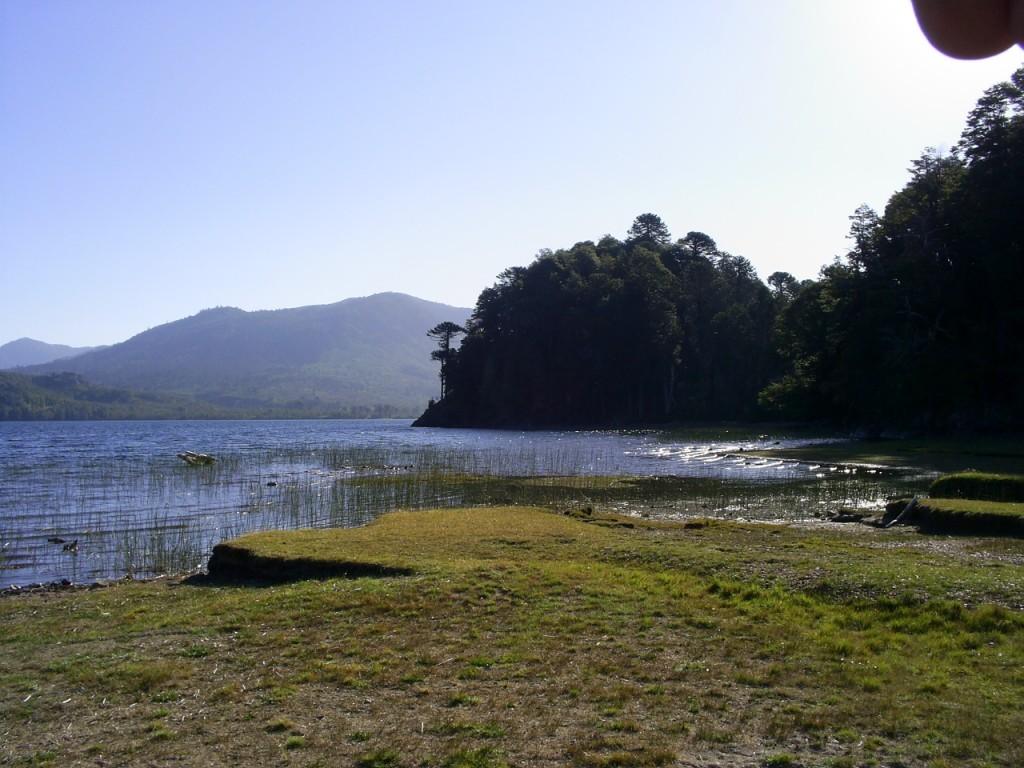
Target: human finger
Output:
[{"x": 970, "y": 29}]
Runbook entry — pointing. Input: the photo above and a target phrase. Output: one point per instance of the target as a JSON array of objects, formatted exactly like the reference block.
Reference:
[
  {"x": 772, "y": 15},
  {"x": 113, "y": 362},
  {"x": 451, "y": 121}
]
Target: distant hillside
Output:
[
  {"x": 31, "y": 352},
  {"x": 60, "y": 396},
  {"x": 358, "y": 357}
]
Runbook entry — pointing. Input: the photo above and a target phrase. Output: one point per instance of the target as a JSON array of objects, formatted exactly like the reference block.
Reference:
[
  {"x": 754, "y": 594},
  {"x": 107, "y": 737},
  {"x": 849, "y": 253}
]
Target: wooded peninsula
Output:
[{"x": 918, "y": 326}]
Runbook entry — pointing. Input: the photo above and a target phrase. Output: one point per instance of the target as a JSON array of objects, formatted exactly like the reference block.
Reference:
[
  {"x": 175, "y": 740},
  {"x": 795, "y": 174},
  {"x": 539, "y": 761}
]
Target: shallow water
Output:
[{"x": 118, "y": 490}]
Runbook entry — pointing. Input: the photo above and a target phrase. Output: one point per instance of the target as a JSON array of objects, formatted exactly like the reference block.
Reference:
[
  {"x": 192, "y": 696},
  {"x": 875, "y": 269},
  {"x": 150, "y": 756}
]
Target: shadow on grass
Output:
[{"x": 240, "y": 567}]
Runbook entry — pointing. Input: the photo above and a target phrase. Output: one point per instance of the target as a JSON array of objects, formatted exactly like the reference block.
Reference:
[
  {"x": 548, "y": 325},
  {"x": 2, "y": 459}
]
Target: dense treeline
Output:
[
  {"x": 920, "y": 325},
  {"x": 635, "y": 330},
  {"x": 68, "y": 396}
]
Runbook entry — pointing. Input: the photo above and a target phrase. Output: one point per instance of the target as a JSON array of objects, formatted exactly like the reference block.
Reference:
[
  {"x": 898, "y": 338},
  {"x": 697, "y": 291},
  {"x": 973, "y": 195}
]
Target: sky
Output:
[{"x": 164, "y": 157}]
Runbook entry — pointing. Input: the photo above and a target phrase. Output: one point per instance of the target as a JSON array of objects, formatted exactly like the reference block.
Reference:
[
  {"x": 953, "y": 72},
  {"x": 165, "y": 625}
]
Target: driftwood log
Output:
[
  {"x": 196, "y": 459},
  {"x": 905, "y": 515}
]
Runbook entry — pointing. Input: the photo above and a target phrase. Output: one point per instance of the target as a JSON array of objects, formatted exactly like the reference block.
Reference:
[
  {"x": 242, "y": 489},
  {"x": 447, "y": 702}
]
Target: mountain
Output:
[
  {"x": 359, "y": 357},
  {"x": 27, "y": 351}
]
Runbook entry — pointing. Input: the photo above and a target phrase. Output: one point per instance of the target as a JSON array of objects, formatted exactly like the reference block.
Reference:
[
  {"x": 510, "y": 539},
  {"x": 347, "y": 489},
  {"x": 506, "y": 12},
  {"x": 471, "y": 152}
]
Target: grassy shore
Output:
[
  {"x": 970, "y": 516},
  {"x": 523, "y": 637},
  {"x": 979, "y": 485}
]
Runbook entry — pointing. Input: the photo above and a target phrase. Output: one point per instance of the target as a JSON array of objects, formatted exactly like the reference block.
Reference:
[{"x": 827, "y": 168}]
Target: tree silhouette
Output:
[
  {"x": 444, "y": 333},
  {"x": 648, "y": 228}
]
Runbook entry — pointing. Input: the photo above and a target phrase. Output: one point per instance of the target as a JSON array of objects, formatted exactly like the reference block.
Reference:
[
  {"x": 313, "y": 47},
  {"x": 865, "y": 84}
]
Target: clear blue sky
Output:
[{"x": 157, "y": 158}]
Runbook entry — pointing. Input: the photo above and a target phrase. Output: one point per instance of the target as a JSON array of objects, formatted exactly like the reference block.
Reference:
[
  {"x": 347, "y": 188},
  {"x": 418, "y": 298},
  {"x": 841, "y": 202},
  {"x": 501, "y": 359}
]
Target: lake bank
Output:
[
  {"x": 118, "y": 490},
  {"x": 523, "y": 637}
]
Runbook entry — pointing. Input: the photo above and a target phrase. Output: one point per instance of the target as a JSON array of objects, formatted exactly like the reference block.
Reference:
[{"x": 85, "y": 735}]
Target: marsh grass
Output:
[
  {"x": 165, "y": 517},
  {"x": 523, "y": 637},
  {"x": 979, "y": 485},
  {"x": 970, "y": 516}
]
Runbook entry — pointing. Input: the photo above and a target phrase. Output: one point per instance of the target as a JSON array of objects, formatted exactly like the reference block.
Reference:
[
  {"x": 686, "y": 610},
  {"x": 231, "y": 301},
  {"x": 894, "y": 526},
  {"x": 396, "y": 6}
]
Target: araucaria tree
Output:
[
  {"x": 444, "y": 333},
  {"x": 648, "y": 228}
]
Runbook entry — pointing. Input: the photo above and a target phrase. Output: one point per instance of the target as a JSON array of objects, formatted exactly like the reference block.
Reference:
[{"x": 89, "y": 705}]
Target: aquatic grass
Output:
[{"x": 161, "y": 516}]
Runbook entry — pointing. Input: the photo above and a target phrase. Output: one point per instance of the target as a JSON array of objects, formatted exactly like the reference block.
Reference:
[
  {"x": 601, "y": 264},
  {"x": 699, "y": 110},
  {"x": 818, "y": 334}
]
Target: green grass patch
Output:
[
  {"x": 525, "y": 637},
  {"x": 979, "y": 485},
  {"x": 970, "y": 516},
  {"x": 380, "y": 758}
]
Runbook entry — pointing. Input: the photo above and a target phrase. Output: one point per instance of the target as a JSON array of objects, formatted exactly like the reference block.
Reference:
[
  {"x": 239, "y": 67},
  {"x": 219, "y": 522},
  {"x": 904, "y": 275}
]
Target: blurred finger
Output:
[{"x": 970, "y": 29}]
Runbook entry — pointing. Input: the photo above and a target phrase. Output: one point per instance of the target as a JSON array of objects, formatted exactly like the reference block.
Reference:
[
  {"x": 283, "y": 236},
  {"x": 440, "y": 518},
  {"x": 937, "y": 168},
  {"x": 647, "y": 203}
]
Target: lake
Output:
[{"x": 134, "y": 508}]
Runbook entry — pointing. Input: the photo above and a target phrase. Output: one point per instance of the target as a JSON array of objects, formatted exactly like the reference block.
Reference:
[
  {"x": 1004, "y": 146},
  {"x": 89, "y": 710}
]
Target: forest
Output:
[{"x": 918, "y": 326}]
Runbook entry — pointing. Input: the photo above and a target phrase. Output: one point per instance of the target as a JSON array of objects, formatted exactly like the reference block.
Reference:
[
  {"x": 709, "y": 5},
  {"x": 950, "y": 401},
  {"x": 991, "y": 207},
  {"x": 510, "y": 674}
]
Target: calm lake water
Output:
[{"x": 118, "y": 490}]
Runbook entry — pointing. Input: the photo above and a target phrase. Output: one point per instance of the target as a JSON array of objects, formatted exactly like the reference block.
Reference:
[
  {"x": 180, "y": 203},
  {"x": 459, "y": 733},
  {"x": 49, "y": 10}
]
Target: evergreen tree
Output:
[{"x": 648, "y": 228}]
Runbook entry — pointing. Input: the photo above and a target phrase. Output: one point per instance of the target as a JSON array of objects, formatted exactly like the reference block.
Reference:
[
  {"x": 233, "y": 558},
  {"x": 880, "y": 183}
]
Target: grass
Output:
[
  {"x": 970, "y": 516},
  {"x": 979, "y": 485},
  {"x": 523, "y": 637}
]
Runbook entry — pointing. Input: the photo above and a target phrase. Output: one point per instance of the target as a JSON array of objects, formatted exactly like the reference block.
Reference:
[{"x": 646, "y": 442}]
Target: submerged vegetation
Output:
[
  {"x": 522, "y": 637},
  {"x": 917, "y": 326}
]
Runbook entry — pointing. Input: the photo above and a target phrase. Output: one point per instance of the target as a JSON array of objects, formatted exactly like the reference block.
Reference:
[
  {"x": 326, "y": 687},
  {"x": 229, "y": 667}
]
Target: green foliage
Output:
[
  {"x": 474, "y": 758},
  {"x": 379, "y": 758},
  {"x": 615, "y": 332},
  {"x": 979, "y": 485},
  {"x": 650, "y": 229},
  {"x": 920, "y": 324},
  {"x": 443, "y": 333},
  {"x": 69, "y": 396},
  {"x": 780, "y": 760}
]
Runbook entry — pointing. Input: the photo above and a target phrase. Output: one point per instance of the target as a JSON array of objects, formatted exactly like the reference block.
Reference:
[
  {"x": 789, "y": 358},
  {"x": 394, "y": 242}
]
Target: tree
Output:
[
  {"x": 444, "y": 333},
  {"x": 699, "y": 244},
  {"x": 648, "y": 228},
  {"x": 784, "y": 286}
]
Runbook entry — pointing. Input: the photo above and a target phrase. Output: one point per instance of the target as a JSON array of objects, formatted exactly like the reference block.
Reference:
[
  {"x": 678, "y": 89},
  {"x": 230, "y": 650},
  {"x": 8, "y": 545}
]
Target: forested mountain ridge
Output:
[
  {"x": 26, "y": 351},
  {"x": 919, "y": 326},
  {"x": 359, "y": 357}
]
